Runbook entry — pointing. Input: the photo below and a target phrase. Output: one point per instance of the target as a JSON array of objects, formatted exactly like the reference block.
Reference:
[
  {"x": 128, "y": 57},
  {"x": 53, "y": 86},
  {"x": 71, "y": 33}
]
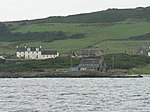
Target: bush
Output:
[
  {"x": 125, "y": 61},
  {"x": 29, "y": 65}
]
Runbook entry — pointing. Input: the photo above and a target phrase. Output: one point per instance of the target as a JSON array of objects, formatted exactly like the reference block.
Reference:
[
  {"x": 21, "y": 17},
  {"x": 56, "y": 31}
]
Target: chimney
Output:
[{"x": 40, "y": 47}]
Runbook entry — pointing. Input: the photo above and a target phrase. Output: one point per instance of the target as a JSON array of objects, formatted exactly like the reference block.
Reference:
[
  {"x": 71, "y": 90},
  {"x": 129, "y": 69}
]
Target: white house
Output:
[
  {"x": 144, "y": 51},
  {"x": 35, "y": 53},
  {"x": 2, "y": 57}
]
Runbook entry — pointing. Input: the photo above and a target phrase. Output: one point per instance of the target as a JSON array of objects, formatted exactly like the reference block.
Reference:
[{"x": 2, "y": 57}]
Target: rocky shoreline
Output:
[{"x": 63, "y": 75}]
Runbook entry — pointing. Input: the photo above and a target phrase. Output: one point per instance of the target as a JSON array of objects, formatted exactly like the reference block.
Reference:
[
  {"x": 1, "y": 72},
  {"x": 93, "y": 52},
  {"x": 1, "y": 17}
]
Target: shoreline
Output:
[{"x": 90, "y": 74}]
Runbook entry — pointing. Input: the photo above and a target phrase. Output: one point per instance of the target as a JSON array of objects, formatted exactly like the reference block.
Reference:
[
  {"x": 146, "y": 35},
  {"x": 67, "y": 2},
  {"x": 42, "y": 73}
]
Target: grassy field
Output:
[
  {"x": 8, "y": 47},
  {"x": 142, "y": 70},
  {"x": 108, "y": 30},
  {"x": 97, "y": 36},
  {"x": 130, "y": 47},
  {"x": 112, "y": 38},
  {"x": 95, "y": 32}
]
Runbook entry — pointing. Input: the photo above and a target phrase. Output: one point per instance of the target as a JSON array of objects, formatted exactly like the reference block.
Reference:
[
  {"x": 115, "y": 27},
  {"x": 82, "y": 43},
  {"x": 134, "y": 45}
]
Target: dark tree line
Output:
[
  {"x": 141, "y": 37},
  {"x": 4, "y": 30},
  {"x": 6, "y": 35}
]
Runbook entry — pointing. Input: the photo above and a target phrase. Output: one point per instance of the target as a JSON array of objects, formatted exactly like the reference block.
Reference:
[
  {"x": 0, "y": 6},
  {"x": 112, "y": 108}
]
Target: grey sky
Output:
[{"x": 33, "y": 9}]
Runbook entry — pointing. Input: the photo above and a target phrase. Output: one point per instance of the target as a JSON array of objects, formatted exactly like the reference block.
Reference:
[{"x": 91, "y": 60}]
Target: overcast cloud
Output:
[{"x": 32, "y": 9}]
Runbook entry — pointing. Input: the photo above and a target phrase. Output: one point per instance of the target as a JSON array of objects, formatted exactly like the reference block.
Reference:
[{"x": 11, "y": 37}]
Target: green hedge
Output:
[
  {"x": 29, "y": 65},
  {"x": 125, "y": 61},
  {"x": 116, "y": 61}
]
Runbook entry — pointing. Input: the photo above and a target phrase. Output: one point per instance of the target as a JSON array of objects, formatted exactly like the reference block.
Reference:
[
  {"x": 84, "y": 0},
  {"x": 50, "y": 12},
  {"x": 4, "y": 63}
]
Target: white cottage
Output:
[{"x": 35, "y": 53}]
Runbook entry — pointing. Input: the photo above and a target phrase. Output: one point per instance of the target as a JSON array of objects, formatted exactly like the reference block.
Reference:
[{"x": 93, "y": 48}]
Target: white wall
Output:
[
  {"x": 148, "y": 53},
  {"x": 20, "y": 54},
  {"x": 35, "y": 55}
]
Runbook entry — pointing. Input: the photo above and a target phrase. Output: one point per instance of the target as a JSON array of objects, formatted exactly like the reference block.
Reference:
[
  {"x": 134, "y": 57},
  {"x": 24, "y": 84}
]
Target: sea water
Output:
[{"x": 75, "y": 95}]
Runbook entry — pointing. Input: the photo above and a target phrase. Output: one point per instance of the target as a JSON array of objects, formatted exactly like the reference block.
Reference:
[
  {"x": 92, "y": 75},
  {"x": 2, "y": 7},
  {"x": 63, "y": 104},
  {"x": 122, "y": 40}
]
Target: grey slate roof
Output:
[
  {"x": 49, "y": 52},
  {"x": 144, "y": 48},
  {"x": 32, "y": 48},
  {"x": 90, "y": 63},
  {"x": 21, "y": 49},
  {"x": 91, "y": 53}
]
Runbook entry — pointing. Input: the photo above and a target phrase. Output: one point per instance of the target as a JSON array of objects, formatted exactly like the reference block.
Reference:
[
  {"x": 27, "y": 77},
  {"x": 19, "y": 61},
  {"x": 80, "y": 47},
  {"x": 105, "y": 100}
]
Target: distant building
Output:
[
  {"x": 2, "y": 57},
  {"x": 73, "y": 54},
  {"x": 91, "y": 53},
  {"x": 144, "y": 51},
  {"x": 92, "y": 64},
  {"x": 73, "y": 69},
  {"x": 35, "y": 53}
]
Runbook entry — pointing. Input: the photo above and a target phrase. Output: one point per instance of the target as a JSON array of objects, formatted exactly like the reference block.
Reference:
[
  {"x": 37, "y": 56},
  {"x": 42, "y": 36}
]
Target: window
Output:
[
  {"x": 37, "y": 49},
  {"x": 28, "y": 49}
]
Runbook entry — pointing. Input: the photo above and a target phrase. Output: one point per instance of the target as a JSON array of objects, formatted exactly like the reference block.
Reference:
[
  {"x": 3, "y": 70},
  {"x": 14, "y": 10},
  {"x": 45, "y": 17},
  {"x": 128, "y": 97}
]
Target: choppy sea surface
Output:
[{"x": 75, "y": 95}]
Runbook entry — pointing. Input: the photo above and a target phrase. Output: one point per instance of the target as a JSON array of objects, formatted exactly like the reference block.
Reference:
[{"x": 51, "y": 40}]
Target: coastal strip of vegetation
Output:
[
  {"x": 114, "y": 31},
  {"x": 62, "y": 64}
]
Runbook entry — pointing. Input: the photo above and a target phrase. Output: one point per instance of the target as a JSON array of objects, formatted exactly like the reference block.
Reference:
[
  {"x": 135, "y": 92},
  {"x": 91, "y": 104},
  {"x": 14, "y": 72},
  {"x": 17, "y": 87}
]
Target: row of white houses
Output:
[{"x": 35, "y": 53}]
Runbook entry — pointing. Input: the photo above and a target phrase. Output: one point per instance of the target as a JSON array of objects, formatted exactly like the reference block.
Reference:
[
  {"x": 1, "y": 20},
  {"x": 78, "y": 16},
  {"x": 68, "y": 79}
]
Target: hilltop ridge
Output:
[
  {"x": 112, "y": 30},
  {"x": 110, "y": 15}
]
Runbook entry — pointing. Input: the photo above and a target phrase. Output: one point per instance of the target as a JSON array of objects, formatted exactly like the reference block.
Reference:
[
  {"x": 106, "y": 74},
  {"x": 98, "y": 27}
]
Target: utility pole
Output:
[
  {"x": 113, "y": 62},
  {"x": 71, "y": 61}
]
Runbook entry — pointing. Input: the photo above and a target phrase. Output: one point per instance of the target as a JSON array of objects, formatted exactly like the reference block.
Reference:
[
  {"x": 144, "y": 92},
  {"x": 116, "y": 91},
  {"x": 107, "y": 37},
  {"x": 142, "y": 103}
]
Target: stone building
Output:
[
  {"x": 87, "y": 53},
  {"x": 92, "y": 64}
]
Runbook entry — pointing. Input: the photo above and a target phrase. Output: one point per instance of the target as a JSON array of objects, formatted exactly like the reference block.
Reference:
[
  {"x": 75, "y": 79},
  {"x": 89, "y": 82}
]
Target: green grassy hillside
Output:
[
  {"x": 110, "y": 30},
  {"x": 141, "y": 70},
  {"x": 112, "y": 37},
  {"x": 113, "y": 30}
]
